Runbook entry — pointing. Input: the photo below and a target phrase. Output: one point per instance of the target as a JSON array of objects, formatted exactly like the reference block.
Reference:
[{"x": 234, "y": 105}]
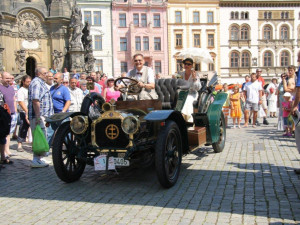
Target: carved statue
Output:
[
  {"x": 86, "y": 38},
  {"x": 57, "y": 59},
  {"x": 76, "y": 28},
  {"x": 21, "y": 60},
  {"x": 89, "y": 62},
  {"x": 29, "y": 26}
]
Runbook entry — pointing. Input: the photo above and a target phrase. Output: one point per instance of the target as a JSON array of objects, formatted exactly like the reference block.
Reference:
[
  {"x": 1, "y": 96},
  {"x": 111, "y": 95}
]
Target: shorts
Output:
[
  {"x": 225, "y": 111},
  {"x": 286, "y": 122},
  {"x": 3, "y": 141},
  {"x": 249, "y": 106},
  {"x": 14, "y": 120}
]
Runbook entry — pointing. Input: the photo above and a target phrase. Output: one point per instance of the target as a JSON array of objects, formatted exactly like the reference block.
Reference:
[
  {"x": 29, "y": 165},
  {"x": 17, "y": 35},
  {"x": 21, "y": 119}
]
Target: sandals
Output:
[{"x": 6, "y": 161}]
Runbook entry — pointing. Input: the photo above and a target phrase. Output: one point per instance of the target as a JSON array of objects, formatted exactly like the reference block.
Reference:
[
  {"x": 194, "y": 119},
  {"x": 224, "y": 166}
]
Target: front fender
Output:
[
  {"x": 162, "y": 115},
  {"x": 58, "y": 117},
  {"x": 214, "y": 114}
]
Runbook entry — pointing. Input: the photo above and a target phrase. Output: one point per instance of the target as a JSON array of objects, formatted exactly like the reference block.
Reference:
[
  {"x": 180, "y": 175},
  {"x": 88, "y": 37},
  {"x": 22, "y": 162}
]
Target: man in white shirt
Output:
[
  {"x": 145, "y": 76},
  {"x": 76, "y": 96},
  {"x": 253, "y": 95},
  {"x": 49, "y": 80}
]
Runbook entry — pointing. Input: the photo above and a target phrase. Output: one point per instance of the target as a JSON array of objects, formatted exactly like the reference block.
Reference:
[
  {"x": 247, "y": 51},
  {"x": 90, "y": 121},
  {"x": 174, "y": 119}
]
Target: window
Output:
[
  {"x": 88, "y": 16},
  {"x": 124, "y": 67},
  {"x": 267, "y": 15},
  {"x": 244, "y": 33},
  {"x": 179, "y": 65},
  {"x": 122, "y": 19},
  {"x": 97, "y": 18},
  {"x": 123, "y": 44},
  {"x": 234, "y": 33},
  {"x": 156, "y": 18},
  {"x": 178, "y": 40},
  {"x": 197, "y": 67},
  {"x": 245, "y": 59},
  {"x": 98, "y": 42},
  {"x": 197, "y": 40},
  {"x": 242, "y": 15},
  {"x": 236, "y": 15},
  {"x": 138, "y": 43},
  {"x": 211, "y": 66},
  {"x": 267, "y": 59},
  {"x": 196, "y": 17},
  {"x": 267, "y": 32},
  {"x": 178, "y": 17},
  {"x": 157, "y": 67},
  {"x": 210, "y": 40},
  {"x": 284, "y": 59},
  {"x": 157, "y": 44},
  {"x": 99, "y": 65},
  {"x": 146, "y": 43},
  {"x": 144, "y": 20},
  {"x": 284, "y": 15},
  {"x": 234, "y": 60},
  {"x": 284, "y": 33},
  {"x": 246, "y": 15},
  {"x": 210, "y": 17},
  {"x": 136, "y": 20},
  {"x": 232, "y": 15}
]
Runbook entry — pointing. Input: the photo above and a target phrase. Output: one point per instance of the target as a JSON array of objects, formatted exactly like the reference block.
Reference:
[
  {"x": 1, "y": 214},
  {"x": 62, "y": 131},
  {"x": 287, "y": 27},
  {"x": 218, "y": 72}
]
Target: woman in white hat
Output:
[
  {"x": 109, "y": 91},
  {"x": 272, "y": 97}
]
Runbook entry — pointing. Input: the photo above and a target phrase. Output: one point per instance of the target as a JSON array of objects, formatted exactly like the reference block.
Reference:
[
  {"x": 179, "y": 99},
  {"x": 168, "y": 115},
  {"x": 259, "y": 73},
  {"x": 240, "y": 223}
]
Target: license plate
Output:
[{"x": 121, "y": 162}]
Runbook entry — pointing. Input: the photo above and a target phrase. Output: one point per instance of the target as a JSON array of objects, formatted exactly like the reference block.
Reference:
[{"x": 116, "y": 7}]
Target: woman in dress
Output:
[
  {"x": 109, "y": 91},
  {"x": 272, "y": 97},
  {"x": 235, "y": 105},
  {"x": 190, "y": 75}
]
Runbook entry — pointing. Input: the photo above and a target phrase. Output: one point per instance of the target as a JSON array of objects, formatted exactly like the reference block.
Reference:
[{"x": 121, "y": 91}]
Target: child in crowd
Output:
[
  {"x": 235, "y": 105},
  {"x": 286, "y": 106}
]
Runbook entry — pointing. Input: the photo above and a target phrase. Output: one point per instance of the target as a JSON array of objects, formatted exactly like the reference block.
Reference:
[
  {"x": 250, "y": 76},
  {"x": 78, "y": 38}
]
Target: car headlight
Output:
[
  {"x": 130, "y": 125},
  {"x": 79, "y": 124}
]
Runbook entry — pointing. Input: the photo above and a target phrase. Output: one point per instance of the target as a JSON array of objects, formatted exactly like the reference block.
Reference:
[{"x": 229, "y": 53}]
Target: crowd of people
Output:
[{"x": 30, "y": 101}]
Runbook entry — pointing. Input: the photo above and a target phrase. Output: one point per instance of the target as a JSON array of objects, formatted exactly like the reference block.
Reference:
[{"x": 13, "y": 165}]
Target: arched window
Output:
[
  {"x": 242, "y": 15},
  {"x": 284, "y": 59},
  {"x": 246, "y": 15},
  {"x": 267, "y": 32},
  {"x": 236, "y": 15},
  {"x": 284, "y": 32},
  {"x": 234, "y": 60},
  {"x": 245, "y": 59},
  {"x": 232, "y": 15},
  {"x": 268, "y": 59},
  {"x": 234, "y": 33},
  {"x": 244, "y": 33}
]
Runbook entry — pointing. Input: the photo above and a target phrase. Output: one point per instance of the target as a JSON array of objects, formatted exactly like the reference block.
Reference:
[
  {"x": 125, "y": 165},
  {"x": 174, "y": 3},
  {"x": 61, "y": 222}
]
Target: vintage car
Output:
[{"x": 122, "y": 133}]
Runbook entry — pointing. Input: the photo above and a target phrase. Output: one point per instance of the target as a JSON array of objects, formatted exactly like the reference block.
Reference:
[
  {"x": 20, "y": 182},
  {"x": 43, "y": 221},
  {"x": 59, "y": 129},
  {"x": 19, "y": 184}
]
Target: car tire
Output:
[
  {"x": 220, "y": 144},
  {"x": 168, "y": 154},
  {"x": 67, "y": 165}
]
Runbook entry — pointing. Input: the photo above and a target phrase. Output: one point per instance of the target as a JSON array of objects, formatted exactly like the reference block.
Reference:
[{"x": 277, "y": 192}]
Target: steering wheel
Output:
[{"x": 131, "y": 86}]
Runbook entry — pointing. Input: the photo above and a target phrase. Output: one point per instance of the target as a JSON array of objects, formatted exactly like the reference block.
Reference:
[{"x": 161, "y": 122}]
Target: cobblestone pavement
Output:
[{"x": 250, "y": 182}]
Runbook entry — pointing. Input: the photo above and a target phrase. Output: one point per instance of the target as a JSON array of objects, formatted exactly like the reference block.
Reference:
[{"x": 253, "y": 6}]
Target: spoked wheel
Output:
[
  {"x": 168, "y": 154},
  {"x": 64, "y": 153},
  {"x": 220, "y": 144}
]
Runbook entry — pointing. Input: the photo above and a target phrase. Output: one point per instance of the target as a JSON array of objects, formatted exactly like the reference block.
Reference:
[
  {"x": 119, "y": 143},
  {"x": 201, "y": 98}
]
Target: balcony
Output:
[{"x": 239, "y": 43}]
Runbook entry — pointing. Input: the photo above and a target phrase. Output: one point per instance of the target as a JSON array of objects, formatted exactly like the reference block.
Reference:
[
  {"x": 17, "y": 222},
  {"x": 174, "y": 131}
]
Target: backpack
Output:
[{"x": 5, "y": 119}]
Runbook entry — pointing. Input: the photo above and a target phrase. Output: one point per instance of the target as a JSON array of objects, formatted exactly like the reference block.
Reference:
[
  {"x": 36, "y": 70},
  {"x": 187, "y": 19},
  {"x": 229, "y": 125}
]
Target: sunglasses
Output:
[
  {"x": 138, "y": 60},
  {"x": 188, "y": 64}
]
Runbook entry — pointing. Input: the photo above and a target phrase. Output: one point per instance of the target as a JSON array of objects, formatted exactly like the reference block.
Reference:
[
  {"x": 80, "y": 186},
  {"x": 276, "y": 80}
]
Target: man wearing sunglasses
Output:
[{"x": 145, "y": 76}]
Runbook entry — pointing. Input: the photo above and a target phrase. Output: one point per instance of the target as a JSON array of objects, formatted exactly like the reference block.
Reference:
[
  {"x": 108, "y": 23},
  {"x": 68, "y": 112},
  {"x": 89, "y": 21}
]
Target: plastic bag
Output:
[
  {"x": 39, "y": 144},
  {"x": 261, "y": 113}
]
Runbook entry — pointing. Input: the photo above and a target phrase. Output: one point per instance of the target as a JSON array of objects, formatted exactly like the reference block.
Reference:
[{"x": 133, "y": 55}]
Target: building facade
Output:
[
  {"x": 193, "y": 23},
  {"x": 140, "y": 26},
  {"x": 33, "y": 33},
  {"x": 98, "y": 14},
  {"x": 258, "y": 34}
]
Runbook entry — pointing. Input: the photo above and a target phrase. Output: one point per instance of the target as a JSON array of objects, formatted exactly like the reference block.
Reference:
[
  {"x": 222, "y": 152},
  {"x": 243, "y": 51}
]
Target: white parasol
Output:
[{"x": 197, "y": 54}]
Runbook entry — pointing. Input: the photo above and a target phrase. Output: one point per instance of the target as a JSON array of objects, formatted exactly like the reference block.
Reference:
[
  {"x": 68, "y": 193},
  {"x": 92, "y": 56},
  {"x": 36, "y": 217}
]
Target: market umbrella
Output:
[{"x": 197, "y": 54}]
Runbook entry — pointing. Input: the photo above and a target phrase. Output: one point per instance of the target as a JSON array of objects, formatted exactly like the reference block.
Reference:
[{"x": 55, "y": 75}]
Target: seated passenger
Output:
[
  {"x": 145, "y": 76},
  {"x": 193, "y": 79}
]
